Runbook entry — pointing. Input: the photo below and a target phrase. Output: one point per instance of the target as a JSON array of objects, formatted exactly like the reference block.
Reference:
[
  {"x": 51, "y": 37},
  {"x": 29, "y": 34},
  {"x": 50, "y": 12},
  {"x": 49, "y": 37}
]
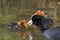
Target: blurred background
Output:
[{"x": 14, "y": 10}]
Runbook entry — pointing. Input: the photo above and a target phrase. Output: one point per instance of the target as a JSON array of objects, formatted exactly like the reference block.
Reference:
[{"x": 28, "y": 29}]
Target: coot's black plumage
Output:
[{"x": 50, "y": 33}]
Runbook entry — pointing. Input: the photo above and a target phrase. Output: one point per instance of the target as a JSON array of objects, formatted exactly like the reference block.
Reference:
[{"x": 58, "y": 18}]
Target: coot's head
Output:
[
  {"x": 38, "y": 20},
  {"x": 38, "y": 17}
]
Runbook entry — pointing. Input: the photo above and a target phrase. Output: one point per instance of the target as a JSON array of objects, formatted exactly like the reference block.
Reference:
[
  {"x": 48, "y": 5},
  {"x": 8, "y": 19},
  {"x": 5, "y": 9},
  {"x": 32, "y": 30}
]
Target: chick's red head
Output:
[{"x": 41, "y": 13}]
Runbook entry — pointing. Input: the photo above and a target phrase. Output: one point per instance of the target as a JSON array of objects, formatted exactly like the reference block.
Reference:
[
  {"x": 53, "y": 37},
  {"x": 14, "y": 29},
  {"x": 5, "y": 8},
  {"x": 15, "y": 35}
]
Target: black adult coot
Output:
[{"x": 50, "y": 33}]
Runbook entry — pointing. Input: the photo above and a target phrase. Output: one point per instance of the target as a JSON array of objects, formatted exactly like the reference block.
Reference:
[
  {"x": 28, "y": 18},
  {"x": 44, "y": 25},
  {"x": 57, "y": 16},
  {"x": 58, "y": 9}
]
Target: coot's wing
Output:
[{"x": 53, "y": 33}]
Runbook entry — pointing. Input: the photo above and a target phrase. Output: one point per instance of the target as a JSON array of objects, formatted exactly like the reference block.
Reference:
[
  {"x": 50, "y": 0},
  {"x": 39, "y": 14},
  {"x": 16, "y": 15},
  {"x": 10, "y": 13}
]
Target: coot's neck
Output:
[{"x": 42, "y": 25}]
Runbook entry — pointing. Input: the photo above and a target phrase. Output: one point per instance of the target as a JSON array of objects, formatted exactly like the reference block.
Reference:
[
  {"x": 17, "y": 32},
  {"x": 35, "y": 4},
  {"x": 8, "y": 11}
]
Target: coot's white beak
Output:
[{"x": 30, "y": 22}]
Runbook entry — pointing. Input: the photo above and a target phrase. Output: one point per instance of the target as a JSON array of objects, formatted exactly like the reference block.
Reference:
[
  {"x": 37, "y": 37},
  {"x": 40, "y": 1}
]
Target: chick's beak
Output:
[{"x": 25, "y": 23}]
